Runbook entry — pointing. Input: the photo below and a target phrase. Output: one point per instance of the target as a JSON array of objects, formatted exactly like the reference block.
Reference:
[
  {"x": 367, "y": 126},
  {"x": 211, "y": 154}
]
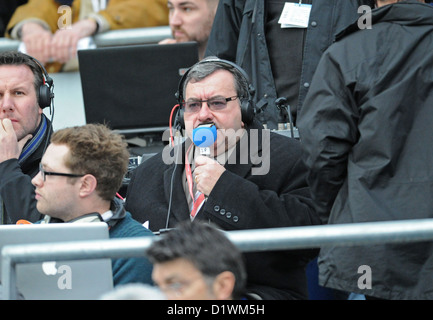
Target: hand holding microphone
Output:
[{"x": 207, "y": 170}]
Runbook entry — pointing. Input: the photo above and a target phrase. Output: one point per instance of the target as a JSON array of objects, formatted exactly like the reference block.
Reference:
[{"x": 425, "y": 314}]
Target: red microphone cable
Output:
[{"x": 170, "y": 123}]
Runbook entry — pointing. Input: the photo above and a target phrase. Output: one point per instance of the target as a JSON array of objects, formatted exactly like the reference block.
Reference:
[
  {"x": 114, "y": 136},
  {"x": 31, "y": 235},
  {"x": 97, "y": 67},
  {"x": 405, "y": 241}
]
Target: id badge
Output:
[{"x": 295, "y": 15}]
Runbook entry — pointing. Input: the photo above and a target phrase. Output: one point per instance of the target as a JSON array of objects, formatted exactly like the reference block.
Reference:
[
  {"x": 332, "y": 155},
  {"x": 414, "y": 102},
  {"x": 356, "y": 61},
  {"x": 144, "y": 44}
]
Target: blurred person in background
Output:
[
  {"x": 191, "y": 21},
  {"x": 51, "y": 29}
]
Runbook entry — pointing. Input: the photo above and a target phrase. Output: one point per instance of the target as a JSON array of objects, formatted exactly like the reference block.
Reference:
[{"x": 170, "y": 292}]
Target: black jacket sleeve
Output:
[
  {"x": 328, "y": 130},
  {"x": 223, "y": 38},
  {"x": 17, "y": 194}
]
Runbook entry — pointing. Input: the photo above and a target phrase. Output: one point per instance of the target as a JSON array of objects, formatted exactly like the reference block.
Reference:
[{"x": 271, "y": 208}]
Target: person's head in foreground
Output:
[{"x": 196, "y": 261}]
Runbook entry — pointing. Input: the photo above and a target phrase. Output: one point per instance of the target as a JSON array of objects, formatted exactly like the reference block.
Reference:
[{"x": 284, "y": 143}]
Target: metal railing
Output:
[
  {"x": 112, "y": 37},
  {"x": 247, "y": 241}
]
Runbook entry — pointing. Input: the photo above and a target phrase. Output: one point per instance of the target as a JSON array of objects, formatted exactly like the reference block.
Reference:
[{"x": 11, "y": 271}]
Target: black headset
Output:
[
  {"x": 46, "y": 93},
  {"x": 247, "y": 104}
]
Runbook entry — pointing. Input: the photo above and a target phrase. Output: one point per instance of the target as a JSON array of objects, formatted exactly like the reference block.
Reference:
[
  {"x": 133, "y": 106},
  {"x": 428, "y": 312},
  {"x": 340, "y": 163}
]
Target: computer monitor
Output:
[{"x": 132, "y": 88}]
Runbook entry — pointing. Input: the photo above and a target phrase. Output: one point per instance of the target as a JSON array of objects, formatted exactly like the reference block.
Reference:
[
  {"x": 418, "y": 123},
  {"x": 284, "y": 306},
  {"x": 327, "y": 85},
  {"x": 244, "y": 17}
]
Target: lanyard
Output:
[{"x": 197, "y": 201}]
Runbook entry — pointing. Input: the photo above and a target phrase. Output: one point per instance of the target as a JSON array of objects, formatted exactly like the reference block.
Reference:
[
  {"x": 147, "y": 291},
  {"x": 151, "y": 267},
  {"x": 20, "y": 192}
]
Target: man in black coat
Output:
[
  {"x": 280, "y": 60},
  {"x": 25, "y": 89},
  {"x": 251, "y": 179},
  {"x": 366, "y": 128}
]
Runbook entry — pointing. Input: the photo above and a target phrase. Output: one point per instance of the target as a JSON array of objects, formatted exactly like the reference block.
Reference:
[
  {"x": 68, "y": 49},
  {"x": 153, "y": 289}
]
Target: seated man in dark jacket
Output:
[
  {"x": 366, "y": 128},
  {"x": 250, "y": 178},
  {"x": 25, "y": 89}
]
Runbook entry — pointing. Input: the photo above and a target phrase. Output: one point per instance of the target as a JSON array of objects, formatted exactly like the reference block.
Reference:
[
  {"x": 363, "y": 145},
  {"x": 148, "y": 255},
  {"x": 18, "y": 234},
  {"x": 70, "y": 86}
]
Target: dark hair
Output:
[
  {"x": 206, "y": 247},
  {"x": 17, "y": 59},
  {"x": 205, "y": 68}
]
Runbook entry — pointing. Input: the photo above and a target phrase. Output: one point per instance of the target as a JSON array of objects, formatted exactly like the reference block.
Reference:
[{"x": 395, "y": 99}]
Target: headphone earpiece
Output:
[
  {"x": 179, "y": 123},
  {"x": 247, "y": 105},
  {"x": 46, "y": 93}
]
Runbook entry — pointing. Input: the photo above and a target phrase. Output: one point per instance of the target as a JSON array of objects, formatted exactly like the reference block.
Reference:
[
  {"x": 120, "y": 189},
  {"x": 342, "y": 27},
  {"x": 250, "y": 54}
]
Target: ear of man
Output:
[
  {"x": 223, "y": 285},
  {"x": 88, "y": 185}
]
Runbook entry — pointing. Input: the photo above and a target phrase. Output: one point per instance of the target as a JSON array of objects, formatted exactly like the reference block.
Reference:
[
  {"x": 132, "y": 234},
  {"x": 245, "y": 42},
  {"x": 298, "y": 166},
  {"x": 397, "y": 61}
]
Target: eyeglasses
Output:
[
  {"x": 48, "y": 173},
  {"x": 214, "y": 104},
  {"x": 178, "y": 288}
]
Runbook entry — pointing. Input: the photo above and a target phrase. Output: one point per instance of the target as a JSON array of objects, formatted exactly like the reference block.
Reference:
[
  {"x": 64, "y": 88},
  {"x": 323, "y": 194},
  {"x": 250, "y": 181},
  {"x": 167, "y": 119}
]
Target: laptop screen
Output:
[
  {"x": 59, "y": 280},
  {"x": 132, "y": 88}
]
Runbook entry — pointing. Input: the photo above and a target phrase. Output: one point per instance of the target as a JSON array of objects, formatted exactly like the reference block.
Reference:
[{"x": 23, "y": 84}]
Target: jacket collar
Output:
[
  {"x": 244, "y": 153},
  {"x": 118, "y": 210}
]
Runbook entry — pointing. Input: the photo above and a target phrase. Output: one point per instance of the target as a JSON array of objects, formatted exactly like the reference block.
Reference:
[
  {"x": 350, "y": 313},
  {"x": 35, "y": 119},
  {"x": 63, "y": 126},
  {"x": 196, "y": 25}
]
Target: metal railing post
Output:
[{"x": 9, "y": 291}]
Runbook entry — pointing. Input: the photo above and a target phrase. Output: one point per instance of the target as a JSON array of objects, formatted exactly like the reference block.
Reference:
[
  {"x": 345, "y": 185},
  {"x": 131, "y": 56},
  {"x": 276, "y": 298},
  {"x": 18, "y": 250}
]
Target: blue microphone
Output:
[{"x": 204, "y": 136}]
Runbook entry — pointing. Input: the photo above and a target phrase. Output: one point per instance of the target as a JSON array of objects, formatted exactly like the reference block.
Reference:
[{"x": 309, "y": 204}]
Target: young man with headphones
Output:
[
  {"x": 25, "y": 89},
  {"x": 80, "y": 173},
  {"x": 217, "y": 92}
]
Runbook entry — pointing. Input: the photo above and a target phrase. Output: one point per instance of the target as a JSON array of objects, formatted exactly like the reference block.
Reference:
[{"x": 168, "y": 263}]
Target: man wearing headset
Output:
[
  {"x": 24, "y": 133},
  {"x": 239, "y": 192}
]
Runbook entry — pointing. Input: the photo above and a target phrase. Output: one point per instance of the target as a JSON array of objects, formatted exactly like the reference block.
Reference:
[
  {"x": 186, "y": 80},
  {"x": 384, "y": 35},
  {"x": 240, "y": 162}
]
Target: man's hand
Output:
[
  {"x": 60, "y": 46},
  {"x": 10, "y": 147},
  {"x": 206, "y": 174},
  {"x": 37, "y": 41},
  {"x": 167, "y": 41},
  {"x": 65, "y": 41}
]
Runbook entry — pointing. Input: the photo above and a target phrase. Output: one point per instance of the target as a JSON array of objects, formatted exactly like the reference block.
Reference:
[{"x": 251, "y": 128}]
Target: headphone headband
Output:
[
  {"x": 179, "y": 93},
  {"x": 247, "y": 106}
]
